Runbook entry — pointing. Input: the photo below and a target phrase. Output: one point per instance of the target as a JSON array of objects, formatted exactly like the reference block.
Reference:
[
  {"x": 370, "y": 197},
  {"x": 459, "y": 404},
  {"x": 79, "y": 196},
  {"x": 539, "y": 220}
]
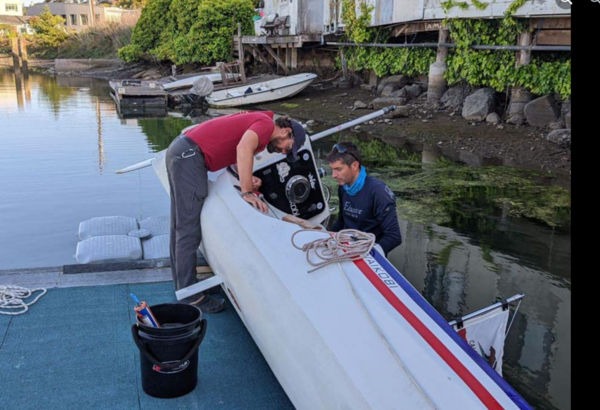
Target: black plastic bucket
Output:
[{"x": 169, "y": 354}]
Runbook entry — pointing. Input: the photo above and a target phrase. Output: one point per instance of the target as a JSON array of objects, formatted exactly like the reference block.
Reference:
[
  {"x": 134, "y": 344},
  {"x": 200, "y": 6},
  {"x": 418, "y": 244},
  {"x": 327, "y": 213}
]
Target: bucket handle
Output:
[{"x": 170, "y": 366}]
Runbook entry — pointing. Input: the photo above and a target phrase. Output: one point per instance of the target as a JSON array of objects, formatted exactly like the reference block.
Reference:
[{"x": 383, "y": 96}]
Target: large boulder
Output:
[
  {"x": 455, "y": 96},
  {"x": 517, "y": 120},
  {"x": 398, "y": 80},
  {"x": 561, "y": 138},
  {"x": 542, "y": 111},
  {"x": 493, "y": 118},
  {"x": 400, "y": 94},
  {"x": 401, "y": 112},
  {"x": 413, "y": 91},
  {"x": 389, "y": 89},
  {"x": 479, "y": 105}
]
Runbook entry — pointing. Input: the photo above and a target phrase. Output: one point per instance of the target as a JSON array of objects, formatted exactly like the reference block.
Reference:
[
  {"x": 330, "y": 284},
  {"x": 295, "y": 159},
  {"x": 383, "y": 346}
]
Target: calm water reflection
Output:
[{"x": 61, "y": 141}]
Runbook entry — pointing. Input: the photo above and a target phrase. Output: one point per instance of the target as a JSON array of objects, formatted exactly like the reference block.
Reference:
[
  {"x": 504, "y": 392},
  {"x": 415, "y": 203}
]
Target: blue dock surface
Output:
[{"x": 74, "y": 350}]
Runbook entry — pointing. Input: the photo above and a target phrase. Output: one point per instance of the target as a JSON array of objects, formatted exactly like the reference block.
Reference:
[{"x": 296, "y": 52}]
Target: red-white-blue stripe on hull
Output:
[{"x": 451, "y": 350}]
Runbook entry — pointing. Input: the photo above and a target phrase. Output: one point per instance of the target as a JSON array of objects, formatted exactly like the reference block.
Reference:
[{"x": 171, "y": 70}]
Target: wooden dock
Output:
[
  {"x": 137, "y": 93},
  {"x": 97, "y": 274}
]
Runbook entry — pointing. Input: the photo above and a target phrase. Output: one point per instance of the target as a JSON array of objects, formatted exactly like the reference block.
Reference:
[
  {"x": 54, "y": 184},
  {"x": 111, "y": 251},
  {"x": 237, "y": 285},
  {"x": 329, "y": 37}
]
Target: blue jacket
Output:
[{"x": 372, "y": 210}]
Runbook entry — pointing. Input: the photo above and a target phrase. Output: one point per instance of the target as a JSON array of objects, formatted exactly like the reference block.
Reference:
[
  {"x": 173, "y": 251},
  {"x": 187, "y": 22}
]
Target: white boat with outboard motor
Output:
[
  {"x": 189, "y": 81},
  {"x": 351, "y": 335},
  {"x": 267, "y": 91}
]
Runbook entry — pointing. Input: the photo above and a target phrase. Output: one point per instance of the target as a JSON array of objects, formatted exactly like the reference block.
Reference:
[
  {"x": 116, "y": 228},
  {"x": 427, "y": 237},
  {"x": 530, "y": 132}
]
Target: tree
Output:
[
  {"x": 189, "y": 31},
  {"x": 131, "y": 4},
  {"x": 49, "y": 28}
]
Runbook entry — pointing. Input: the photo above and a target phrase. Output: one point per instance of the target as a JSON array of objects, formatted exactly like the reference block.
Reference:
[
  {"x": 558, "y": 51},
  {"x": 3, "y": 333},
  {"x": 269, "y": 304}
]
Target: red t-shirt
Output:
[{"x": 218, "y": 139}]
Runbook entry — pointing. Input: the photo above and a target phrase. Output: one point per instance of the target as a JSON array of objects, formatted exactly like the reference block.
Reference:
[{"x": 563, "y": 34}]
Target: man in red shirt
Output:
[{"x": 211, "y": 146}]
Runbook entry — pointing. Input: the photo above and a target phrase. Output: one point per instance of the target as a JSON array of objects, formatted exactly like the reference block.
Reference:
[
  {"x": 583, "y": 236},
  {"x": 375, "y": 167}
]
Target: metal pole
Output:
[
  {"x": 488, "y": 309},
  {"x": 451, "y": 45},
  {"x": 148, "y": 162},
  {"x": 140, "y": 165},
  {"x": 391, "y": 45},
  {"x": 352, "y": 123}
]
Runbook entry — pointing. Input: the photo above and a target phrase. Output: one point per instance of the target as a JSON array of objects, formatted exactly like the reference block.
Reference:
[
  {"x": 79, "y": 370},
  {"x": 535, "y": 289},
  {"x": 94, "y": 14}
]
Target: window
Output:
[
  {"x": 84, "y": 19},
  {"x": 64, "y": 17},
  {"x": 11, "y": 7},
  {"x": 73, "y": 19}
]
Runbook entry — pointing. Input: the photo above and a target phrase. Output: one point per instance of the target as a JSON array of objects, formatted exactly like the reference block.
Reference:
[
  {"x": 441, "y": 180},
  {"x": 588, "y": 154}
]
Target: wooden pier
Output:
[
  {"x": 136, "y": 93},
  {"x": 98, "y": 274}
]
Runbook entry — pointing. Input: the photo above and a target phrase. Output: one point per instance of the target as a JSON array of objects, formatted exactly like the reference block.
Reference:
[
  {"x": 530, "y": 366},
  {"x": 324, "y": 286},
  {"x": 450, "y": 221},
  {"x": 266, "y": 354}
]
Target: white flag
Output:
[{"x": 486, "y": 334}]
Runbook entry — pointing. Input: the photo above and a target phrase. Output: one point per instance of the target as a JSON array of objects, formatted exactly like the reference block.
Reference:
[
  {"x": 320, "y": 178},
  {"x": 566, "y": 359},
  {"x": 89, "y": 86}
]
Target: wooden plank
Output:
[
  {"x": 46, "y": 280},
  {"x": 125, "y": 266},
  {"x": 294, "y": 59},
  {"x": 27, "y": 271},
  {"x": 145, "y": 102},
  {"x": 276, "y": 57},
  {"x": 560, "y": 23},
  {"x": 23, "y": 54},
  {"x": 297, "y": 41},
  {"x": 15, "y": 53},
  {"x": 198, "y": 287},
  {"x": 224, "y": 79},
  {"x": 554, "y": 38},
  {"x": 419, "y": 27},
  {"x": 269, "y": 40},
  {"x": 139, "y": 92},
  {"x": 288, "y": 56},
  {"x": 241, "y": 58},
  {"x": 114, "y": 278},
  {"x": 255, "y": 51}
]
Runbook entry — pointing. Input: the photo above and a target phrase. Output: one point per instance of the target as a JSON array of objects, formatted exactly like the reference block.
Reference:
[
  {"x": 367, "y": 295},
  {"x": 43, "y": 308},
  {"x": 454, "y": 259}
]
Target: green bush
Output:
[
  {"x": 131, "y": 53},
  {"x": 547, "y": 74},
  {"x": 147, "y": 32},
  {"x": 188, "y": 31},
  {"x": 49, "y": 29},
  {"x": 383, "y": 61}
]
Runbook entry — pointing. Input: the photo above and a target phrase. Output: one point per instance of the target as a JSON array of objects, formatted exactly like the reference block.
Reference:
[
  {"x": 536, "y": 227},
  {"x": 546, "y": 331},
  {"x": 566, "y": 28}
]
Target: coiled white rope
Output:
[
  {"x": 13, "y": 297},
  {"x": 345, "y": 245}
]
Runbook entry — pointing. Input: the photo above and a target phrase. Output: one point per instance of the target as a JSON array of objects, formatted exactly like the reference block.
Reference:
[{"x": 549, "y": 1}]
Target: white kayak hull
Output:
[{"x": 354, "y": 335}]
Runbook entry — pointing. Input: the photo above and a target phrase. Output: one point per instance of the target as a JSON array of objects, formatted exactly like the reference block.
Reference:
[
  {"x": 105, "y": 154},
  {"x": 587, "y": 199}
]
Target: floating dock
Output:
[{"x": 138, "y": 93}]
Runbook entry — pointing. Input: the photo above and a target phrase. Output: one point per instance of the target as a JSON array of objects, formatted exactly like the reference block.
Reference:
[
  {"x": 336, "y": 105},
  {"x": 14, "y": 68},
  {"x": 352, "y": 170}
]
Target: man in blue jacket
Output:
[{"x": 366, "y": 203}]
